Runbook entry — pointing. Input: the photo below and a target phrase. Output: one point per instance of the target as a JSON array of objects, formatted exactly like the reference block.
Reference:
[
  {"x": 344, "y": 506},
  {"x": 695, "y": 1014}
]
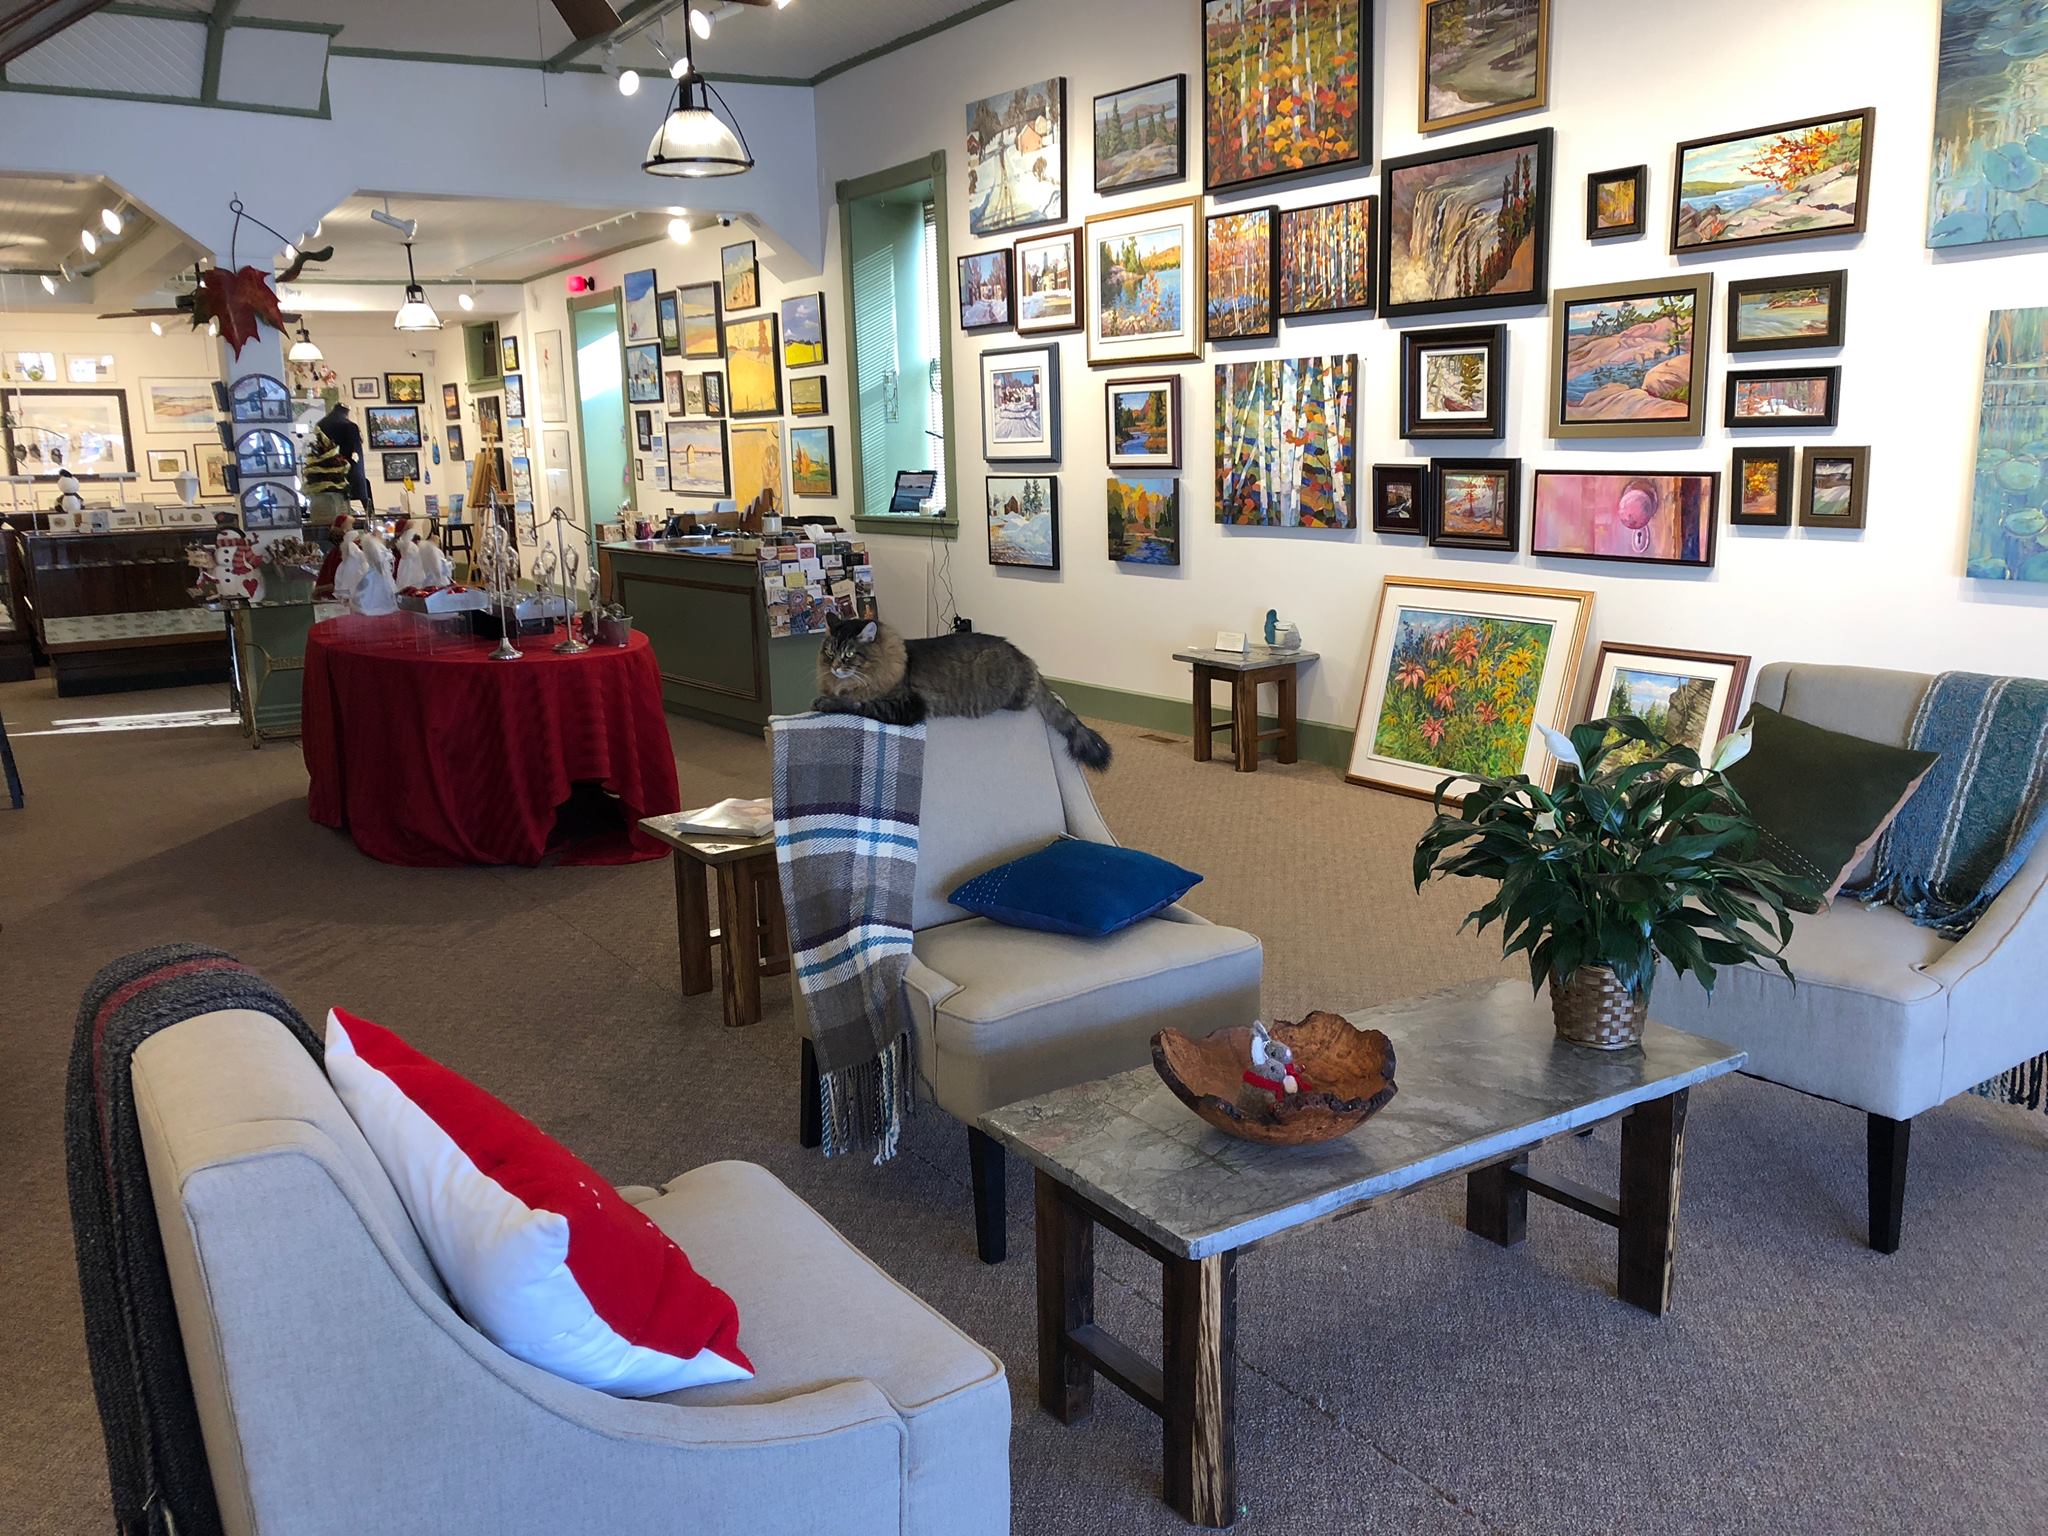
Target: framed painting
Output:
[
  {"x": 671, "y": 323},
  {"x": 1017, "y": 158},
  {"x": 1237, "y": 274},
  {"x": 1044, "y": 272},
  {"x": 1398, "y": 495},
  {"x": 455, "y": 447},
  {"x": 984, "y": 290},
  {"x": 1458, "y": 676},
  {"x": 813, "y": 471},
  {"x": 807, "y": 396},
  {"x": 753, "y": 367},
  {"x": 89, "y": 367},
  {"x": 1144, "y": 519},
  {"x": 1020, "y": 404},
  {"x": 405, "y": 388},
  {"x": 1141, "y": 135},
  {"x": 168, "y": 463},
  {"x": 2008, "y": 534},
  {"x": 714, "y": 394},
  {"x": 1990, "y": 114},
  {"x": 508, "y": 353},
  {"x": 639, "y": 310},
  {"x": 696, "y": 459},
  {"x": 1630, "y": 359},
  {"x": 391, "y": 426},
  {"x": 362, "y": 389},
  {"x": 547, "y": 372},
  {"x": 1475, "y": 503},
  {"x": 1482, "y": 59},
  {"x": 1645, "y": 516},
  {"x": 672, "y": 392},
  {"x": 643, "y": 375},
  {"x": 1833, "y": 485},
  {"x": 643, "y": 431},
  {"x": 1784, "y": 397},
  {"x": 175, "y": 407},
  {"x": 1689, "y": 698},
  {"x": 741, "y": 275},
  {"x": 1760, "y": 481},
  {"x": 451, "y": 402},
  {"x": 515, "y": 397},
  {"x": 1780, "y": 314},
  {"x": 1617, "y": 203},
  {"x": 757, "y": 472},
  {"x": 1024, "y": 521},
  {"x": 1286, "y": 442},
  {"x": 28, "y": 367},
  {"x": 216, "y": 466},
  {"x": 703, "y": 333},
  {"x": 1790, "y": 181},
  {"x": 490, "y": 418},
  {"x": 1466, "y": 228},
  {"x": 1142, "y": 418},
  {"x": 1325, "y": 258},
  {"x": 803, "y": 331},
  {"x": 639, "y": 469},
  {"x": 693, "y": 395},
  {"x": 1144, "y": 285},
  {"x": 400, "y": 467},
  {"x": 1454, "y": 382},
  {"x": 1284, "y": 88}
]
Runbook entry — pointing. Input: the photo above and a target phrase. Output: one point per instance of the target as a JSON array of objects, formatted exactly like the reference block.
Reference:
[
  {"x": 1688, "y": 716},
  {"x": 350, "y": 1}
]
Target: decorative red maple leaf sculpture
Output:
[{"x": 238, "y": 300}]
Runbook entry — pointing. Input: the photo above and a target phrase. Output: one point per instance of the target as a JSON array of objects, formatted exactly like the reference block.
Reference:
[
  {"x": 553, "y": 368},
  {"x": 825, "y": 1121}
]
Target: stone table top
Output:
[
  {"x": 706, "y": 847},
  {"x": 1259, "y": 656},
  {"x": 1479, "y": 1074}
]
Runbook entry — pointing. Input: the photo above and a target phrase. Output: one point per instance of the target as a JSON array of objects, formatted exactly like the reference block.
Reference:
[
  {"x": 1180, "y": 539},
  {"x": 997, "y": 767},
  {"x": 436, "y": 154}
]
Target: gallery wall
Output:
[{"x": 1627, "y": 82}]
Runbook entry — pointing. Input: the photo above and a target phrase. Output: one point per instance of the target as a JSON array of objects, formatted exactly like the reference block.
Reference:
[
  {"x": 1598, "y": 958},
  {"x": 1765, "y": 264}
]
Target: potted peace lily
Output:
[{"x": 1639, "y": 851}]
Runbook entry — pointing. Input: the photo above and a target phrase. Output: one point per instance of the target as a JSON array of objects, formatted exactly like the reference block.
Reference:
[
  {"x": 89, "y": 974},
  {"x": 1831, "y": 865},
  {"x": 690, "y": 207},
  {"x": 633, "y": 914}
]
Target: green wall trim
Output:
[
  {"x": 908, "y": 527},
  {"x": 1329, "y": 745},
  {"x": 957, "y": 19},
  {"x": 82, "y": 93}
]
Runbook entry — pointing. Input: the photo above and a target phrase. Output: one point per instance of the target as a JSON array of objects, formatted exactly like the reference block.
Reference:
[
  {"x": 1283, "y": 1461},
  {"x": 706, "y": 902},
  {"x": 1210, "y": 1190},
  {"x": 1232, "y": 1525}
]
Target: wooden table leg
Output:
[
  {"x": 1496, "y": 1208},
  {"x": 1205, "y": 719},
  {"x": 1244, "y": 711},
  {"x": 740, "y": 953},
  {"x": 1652, "y": 1167},
  {"x": 774, "y": 921},
  {"x": 1290, "y": 740},
  {"x": 693, "y": 923},
  {"x": 1066, "y": 1301},
  {"x": 1200, "y": 1369}
]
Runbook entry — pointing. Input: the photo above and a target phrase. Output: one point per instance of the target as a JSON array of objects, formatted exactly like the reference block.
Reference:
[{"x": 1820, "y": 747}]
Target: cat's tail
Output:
[{"x": 1084, "y": 745}]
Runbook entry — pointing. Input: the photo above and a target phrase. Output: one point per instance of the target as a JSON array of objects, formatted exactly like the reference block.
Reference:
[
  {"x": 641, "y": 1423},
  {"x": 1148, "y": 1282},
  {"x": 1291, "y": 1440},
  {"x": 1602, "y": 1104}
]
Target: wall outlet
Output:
[{"x": 962, "y": 626}]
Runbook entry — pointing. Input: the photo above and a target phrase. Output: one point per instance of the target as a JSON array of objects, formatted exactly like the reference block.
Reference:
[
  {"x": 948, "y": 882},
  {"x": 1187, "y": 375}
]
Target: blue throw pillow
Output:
[{"x": 1077, "y": 887}]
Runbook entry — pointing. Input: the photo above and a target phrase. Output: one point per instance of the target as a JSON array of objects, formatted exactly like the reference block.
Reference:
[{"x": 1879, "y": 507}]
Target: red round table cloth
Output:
[{"x": 447, "y": 757}]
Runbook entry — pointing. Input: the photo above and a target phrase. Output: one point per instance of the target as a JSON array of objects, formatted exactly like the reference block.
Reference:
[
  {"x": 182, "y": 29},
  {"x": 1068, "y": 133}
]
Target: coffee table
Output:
[
  {"x": 1481, "y": 1079},
  {"x": 754, "y": 942}
]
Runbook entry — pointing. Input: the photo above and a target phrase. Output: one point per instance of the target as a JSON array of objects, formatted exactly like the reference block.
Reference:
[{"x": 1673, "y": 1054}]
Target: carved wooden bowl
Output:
[{"x": 1352, "y": 1070}]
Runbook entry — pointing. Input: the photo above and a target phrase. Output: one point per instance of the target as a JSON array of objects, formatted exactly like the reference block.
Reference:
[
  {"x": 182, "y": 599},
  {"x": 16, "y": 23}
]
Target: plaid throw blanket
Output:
[{"x": 847, "y": 795}]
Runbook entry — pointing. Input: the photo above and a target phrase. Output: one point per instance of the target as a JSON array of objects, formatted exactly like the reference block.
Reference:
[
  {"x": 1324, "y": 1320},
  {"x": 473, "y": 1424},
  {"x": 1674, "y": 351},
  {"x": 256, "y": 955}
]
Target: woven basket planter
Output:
[{"x": 1595, "y": 1009}]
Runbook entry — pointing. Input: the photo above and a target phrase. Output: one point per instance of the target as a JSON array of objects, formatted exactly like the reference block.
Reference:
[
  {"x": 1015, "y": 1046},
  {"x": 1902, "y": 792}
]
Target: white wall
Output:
[{"x": 1628, "y": 81}]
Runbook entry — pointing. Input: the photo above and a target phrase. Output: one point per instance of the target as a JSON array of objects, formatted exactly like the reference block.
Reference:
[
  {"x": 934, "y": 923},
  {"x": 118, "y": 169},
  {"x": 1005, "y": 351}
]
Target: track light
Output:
[
  {"x": 110, "y": 221},
  {"x": 89, "y": 240},
  {"x": 679, "y": 67},
  {"x": 49, "y": 284},
  {"x": 679, "y": 231},
  {"x": 465, "y": 301},
  {"x": 629, "y": 81},
  {"x": 700, "y": 23},
  {"x": 290, "y": 253},
  {"x": 156, "y": 327}
]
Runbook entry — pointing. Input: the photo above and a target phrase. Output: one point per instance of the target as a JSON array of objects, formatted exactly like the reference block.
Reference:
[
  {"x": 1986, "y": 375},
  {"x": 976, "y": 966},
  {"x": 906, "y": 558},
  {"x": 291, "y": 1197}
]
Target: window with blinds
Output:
[{"x": 934, "y": 338}]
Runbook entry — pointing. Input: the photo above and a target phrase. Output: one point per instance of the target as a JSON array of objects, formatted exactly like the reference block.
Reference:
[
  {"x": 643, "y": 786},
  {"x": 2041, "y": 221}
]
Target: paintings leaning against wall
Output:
[
  {"x": 1145, "y": 285},
  {"x": 1482, "y": 59},
  {"x": 1990, "y": 125},
  {"x": 1144, "y": 519},
  {"x": 1020, "y": 404},
  {"x": 1475, "y": 503},
  {"x": 984, "y": 290},
  {"x": 1466, "y": 228},
  {"x": 696, "y": 459},
  {"x": 1325, "y": 257},
  {"x": 1286, "y": 442},
  {"x": 1141, "y": 135},
  {"x": 2008, "y": 538},
  {"x": 1778, "y": 314},
  {"x": 740, "y": 276},
  {"x": 642, "y": 315},
  {"x": 1458, "y": 675},
  {"x": 1045, "y": 272},
  {"x": 753, "y": 367},
  {"x": 1454, "y": 382},
  {"x": 1024, "y": 521},
  {"x": 1143, "y": 421},
  {"x": 1791, "y": 181},
  {"x": 1617, "y": 203},
  {"x": 1649, "y": 517},
  {"x": 1237, "y": 257},
  {"x": 703, "y": 332},
  {"x": 1630, "y": 359},
  {"x": 1284, "y": 88},
  {"x": 1689, "y": 698},
  {"x": 1017, "y": 158},
  {"x": 1783, "y": 397},
  {"x": 1760, "y": 481},
  {"x": 1398, "y": 491},
  {"x": 1833, "y": 484},
  {"x": 757, "y": 472}
]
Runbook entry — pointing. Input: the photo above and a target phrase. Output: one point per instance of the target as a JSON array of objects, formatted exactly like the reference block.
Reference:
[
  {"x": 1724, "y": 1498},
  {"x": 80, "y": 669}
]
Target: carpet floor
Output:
[{"x": 1396, "y": 1374}]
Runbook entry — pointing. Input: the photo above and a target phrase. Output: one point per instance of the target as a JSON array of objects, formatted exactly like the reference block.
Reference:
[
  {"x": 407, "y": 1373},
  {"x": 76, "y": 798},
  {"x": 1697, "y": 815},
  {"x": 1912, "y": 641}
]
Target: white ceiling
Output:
[
  {"x": 41, "y": 216},
  {"x": 489, "y": 239}
]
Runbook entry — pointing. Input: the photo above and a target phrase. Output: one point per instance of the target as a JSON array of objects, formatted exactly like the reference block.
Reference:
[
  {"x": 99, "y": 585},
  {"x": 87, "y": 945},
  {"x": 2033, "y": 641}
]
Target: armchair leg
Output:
[
  {"x": 1888, "y": 1141},
  {"x": 985, "y": 1162},
  {"x": 810, "y": 1127}
]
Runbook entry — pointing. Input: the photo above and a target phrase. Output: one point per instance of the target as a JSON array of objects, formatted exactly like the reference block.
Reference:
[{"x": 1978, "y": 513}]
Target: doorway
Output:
[{"x": 598, "y": 369}]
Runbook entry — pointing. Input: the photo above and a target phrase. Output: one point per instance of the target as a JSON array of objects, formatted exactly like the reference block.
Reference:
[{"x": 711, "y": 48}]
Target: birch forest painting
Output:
[
  {"x": 1281, "y": 87},
  {"x": 1326, "y": 257},
  {"x": 1285, "y": 430},
  {"x": 1239, "y": 280}
]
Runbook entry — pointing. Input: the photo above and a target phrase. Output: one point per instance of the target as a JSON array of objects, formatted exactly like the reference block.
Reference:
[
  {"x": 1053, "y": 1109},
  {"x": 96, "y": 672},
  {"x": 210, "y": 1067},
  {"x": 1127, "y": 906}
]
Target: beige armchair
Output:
[{"x": 1000, "y": 1014}]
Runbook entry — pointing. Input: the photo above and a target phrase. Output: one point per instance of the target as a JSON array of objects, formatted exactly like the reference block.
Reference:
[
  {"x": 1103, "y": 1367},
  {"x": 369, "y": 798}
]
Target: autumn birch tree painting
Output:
[
  {"x": 1285, "y": 442},
  {"x": 1281, "y": 87}
]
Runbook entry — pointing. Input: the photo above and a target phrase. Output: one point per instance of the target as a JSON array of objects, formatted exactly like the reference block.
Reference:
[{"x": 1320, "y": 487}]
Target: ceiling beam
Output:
[
  {"x": 635, "y": 18},
  {"x": 217, "y": 26},
  {"x": 26, "y": 23}
]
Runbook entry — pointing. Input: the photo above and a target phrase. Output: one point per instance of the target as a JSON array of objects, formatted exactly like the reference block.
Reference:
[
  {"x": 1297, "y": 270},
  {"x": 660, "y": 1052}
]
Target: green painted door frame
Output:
[{"x": 598, "y": 501}]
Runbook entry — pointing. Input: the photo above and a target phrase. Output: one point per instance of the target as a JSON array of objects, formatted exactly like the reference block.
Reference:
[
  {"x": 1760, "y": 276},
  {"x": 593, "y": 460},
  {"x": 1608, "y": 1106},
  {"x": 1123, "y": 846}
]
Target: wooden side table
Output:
[
  {"x": 753, "y": 941},
  {"x": 1244, "y": 671}
]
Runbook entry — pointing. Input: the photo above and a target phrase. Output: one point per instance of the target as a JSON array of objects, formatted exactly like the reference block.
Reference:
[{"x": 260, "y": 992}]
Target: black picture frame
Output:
[
  {"x": 1868, "y": 117},
  {"x": 1415, "y": 477},
  {"x": 1179, "y": 167},
  {"x": 714, "y": 394},
  {"x": 1709, "y": 515},
  {"x": 1271, "y": 214},
  {"x": 358, "y": 389},
  {"x": 831, "y": 463},
  {"x": 648, "y": 354},
  {"x": 961, "y": 264},
  {"x": 1785, "y": 460},
  {"x": 13, "y": 428},
  {"x": 799, "y": 389},
  {"x": 1640, "y": 176},
  {"x": 398, "y": 467},
  {"x": 1371, "y": 299},
  {"x": 793, "y": 303},
  {"x": 1832, "y": 373},
  {"x": 392, "y": 426},
  {"x": 668, "y": 323},
  {"x": 1541, "y": 143},
  {"x": 455, "y": 453},
  {"x": 1052, "y": 508},
  {"x": 1834, "y": 283},
  {"x": 1810, "y": 461},
  {"x": 728, "y": 270},
  {"x": 711, "y": 296},
  {"x": 451, "y": 402},
  {"x": 508, "y": 354},
  {"x": 643, "y": 430},
  {"x": 1493, "y": 340},
  {"x": 405, "y": 388},
  {"x": 1367, "y": 72},
  {"x": 1509, "y": 471}
]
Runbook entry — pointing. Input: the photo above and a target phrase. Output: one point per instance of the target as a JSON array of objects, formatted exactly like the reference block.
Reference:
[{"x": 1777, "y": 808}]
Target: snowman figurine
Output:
[
  {"x": 237, "y": 576},
  {"x": 70, "y": 495}
]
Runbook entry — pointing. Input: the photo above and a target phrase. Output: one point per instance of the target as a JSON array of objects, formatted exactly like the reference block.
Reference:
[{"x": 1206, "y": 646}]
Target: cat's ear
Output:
[{"x": 868, "y": 631}]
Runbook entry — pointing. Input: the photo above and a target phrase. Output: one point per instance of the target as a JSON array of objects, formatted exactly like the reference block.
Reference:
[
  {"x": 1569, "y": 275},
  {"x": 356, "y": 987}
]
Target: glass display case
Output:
[{"x": 116, "y": 610}]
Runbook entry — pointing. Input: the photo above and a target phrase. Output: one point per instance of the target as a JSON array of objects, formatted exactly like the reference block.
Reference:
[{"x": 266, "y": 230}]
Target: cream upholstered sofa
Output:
[
  {"x": 1887, "y": 1017},
  {"x": 1000, "y": 1013},
  {"x": 340, "y": 1392}
]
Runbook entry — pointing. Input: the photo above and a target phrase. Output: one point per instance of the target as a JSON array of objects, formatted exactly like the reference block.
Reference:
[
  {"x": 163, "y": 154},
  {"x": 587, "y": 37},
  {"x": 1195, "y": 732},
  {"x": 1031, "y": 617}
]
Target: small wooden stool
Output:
[
  {"x": 1244, "y": 671},
  {"x": 754, "y": 939}
]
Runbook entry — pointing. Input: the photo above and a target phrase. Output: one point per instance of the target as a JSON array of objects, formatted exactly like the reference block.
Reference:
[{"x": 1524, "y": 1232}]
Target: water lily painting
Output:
[
  {"x": 1467, "y": 228},
  {"x": 1283, "y": 88},
  {"x": 1017, "y": 158},
  {"x": 1630, "y": 359},
  {"x": 1791, "y": 181},
  {"x": 1286, "y": 430},
  {"x": 2008, "y": 496},
  {"x": 1989, "y": 179}
]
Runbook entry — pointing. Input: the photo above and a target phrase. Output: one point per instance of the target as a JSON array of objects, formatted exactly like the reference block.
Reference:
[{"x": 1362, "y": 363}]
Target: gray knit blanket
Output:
[
  {"x": 156, "y": 1461},
  {"x": 847, "y": 795}
]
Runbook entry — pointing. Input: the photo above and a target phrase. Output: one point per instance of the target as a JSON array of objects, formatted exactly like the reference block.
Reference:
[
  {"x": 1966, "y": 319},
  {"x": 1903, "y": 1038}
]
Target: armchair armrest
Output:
[
  {"x": 1180, "y": 914},
  {"x": 1983, "y": 953}
]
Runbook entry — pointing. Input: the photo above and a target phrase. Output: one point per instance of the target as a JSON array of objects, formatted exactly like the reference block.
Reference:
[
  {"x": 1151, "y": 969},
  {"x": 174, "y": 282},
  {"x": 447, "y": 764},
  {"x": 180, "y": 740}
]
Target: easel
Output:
[{"x": 485, "y": 494}]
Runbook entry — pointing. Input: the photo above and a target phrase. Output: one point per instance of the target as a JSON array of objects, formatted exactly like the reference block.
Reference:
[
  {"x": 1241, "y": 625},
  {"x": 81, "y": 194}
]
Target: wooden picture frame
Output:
[
  {"x": 1176, "y": 160},
  {"x": 1740, "y": 411},
  {"x": 1816, "y": 499},
  {"x": 1623, "y": 515},
  {"x": 1449, "y": 528},
  {"x": 1761, "y": 500},
  {"x": 1419, "y": 349},
  {"x": 1534, "y": 100},
  {"x": 1751, "y": 328},
  {"x": 1725, "y": 671},
  {"x": 1112, "y": 345},
  {"x": 1622, "y": 412},
  {"x": 1405, "y": 177},
  {"x": 979, "y": 276},
  {"x": 1404, "y": 515},
  {"x": 1253, "y": 313},
  {"x": 1598, "y": 225},
  {"x": 1354, "y": 26},
  {"x": 1795, "y": 152},
  {"x": 1159, "y": 386}
]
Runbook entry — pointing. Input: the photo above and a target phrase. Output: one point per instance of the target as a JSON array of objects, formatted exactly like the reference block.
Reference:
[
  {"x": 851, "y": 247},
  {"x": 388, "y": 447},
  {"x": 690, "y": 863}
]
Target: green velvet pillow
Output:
[{"x": 1822, "y": 797}]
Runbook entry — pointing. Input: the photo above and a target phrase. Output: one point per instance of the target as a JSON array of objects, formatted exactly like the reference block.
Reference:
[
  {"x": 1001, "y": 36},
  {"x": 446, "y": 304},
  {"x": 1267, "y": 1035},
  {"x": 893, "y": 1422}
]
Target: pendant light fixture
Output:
[
  {"x": 415, "y": 314},
  {"x": 304, "y": 350},
  {"x": 694, "y": 140}
]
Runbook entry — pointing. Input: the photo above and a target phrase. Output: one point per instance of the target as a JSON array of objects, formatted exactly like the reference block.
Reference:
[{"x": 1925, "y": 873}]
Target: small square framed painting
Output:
[
  {"x": 1142, "y": 417},
  {"x": 1044, "y": 274},
  {"x": 1024, "y": 521},
  {"x": 362, "y": 389},
  {"x": 1781, "y": 314},
  {"x": 1630, "y": 359},
  {"x": 807, "y": 396},
  {"x": 1325, "y": 261},
  {"x": 1689, "y": 698},
  {"x": 1644, "y": 516},
  {"x": 1399, "y": 492},
  {"x": 405, "y": 388},
  {"x": 1475, "y": 503},
  {"x": 714, "y": 394},
  {"x": 451, "y": 402},
  {"x": 1141, "y": 135},
  {"x": 984, "y": 290},
  {"x": 1237, "y": 251},
  {"x": 1833, "y": 483},
  {"x": 1454, "y": 382},
  {"x": 168, "y": 463},
  {"x": 1020, "y": 404},
  {"x": 1144, "y": 519},
  {"x": 813, "y": 471},
  {"x": 508, "y": 353},
  {"x": 1615, "y": 203},
  {"x": 1760, "y": 494},
  {"x": 1482, "y": 59},
  {"x": 401, "y": 466},
  {"x": 1790, "y": 181},
  {"x": 741, "y": 275},
  {"x": 669, "y": 317},
  {"x": 1783, "y": 397},
  {"x": 803, "y": 331},
  {"x": 703, "y": 332}
]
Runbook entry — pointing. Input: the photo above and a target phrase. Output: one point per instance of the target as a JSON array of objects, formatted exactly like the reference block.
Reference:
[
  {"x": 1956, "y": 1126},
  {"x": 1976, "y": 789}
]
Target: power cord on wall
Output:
[{"x": 941, "y": 610}]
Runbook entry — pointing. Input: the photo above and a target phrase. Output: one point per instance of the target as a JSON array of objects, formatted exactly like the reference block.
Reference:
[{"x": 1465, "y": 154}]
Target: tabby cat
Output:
[{"x": 866, "y": 668}]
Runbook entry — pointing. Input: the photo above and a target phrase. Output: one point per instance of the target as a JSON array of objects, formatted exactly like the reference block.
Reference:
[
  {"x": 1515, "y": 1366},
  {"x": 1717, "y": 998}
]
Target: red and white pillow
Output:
[{"x": 540, "y": 1253}]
